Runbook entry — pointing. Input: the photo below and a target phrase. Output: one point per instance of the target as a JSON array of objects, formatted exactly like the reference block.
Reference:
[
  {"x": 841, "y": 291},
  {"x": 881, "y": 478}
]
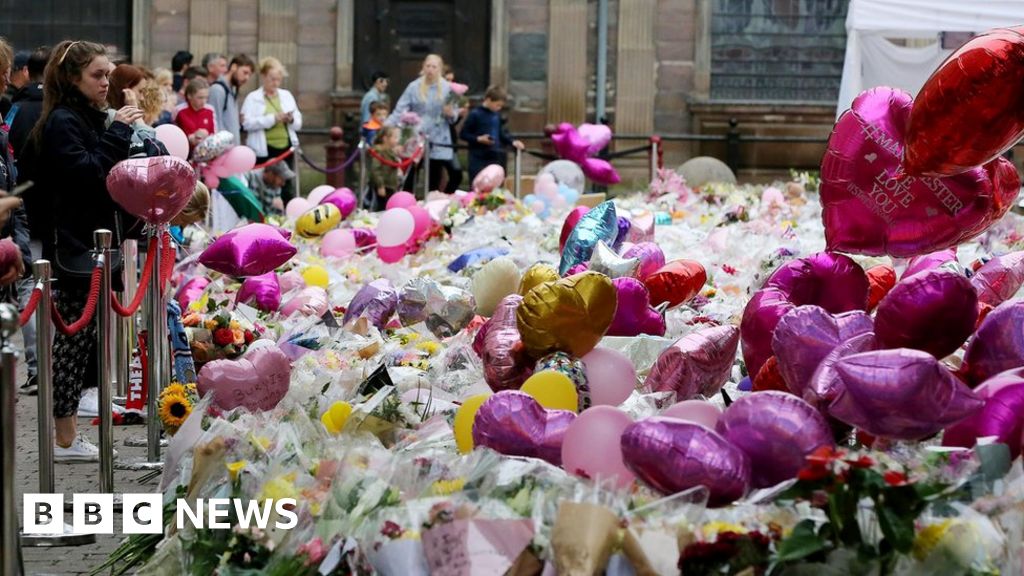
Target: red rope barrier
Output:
[
  {"x": 402, "y": 164},
  {"x": 90, "y": 308},
  {"x": 169, "y": 256},
  {"x": 275, "y": 160},
  {"x": 147, "y": 271},
  {"x": 30, "y": 308}
]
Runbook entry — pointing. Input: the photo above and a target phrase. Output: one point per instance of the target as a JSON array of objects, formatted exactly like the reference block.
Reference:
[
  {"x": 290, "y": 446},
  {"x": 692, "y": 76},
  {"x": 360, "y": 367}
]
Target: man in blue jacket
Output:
[{"x": 486, "y": 134}]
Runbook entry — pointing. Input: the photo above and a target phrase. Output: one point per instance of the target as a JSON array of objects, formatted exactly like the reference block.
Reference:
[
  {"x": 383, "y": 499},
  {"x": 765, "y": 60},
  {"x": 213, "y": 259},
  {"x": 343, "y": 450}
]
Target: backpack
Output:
[{"x": 227, "y": 92}]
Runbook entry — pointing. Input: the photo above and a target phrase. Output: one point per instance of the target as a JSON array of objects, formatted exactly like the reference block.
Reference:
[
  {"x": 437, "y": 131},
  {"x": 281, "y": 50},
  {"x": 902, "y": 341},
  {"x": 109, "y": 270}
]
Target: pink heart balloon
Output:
[
  {"x": 806, "y": 334},
  {"x": 597, "y": 136},
  {"x": 569, "y": 144},
  {"x": 153, "y": 189},
  {"x": 825, "y": 383},
  {"x": 935, "y": 311},
  {"x": 870, "y": 208},
  {"x": 929, "y": 261},
  {"x": 256, "y": 382},
  {"x": 310, "y": 301},
  {"x": 264, "y": 290},
  {"x": 344, "y": 199},
  {"x": 999, "y": 279},
  {"x": 600, "y": 171},
  {"x": 1002, "y": 416},
  {"x": 633, "y": 314},
  {"x": 488, "y": 179},
  {"x": 291, "y": 280},
  {"x": 514, "y": 424},
  {"x": 497, "y": 343},
  {"x": 998, "y": 344},
  {"x": 251, "y": 250},
  {"x": 698, "y": 363}
]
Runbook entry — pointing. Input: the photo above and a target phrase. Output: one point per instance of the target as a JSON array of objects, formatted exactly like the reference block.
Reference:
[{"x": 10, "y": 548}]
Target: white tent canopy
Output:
[{"x": 872, "y": 60}]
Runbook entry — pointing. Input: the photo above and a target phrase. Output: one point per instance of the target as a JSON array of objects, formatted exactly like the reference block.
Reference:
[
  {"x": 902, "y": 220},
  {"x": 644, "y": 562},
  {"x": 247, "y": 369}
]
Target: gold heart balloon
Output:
[
  {"x": 536, "y": 275},
  {"x": 569, "y": 315}
]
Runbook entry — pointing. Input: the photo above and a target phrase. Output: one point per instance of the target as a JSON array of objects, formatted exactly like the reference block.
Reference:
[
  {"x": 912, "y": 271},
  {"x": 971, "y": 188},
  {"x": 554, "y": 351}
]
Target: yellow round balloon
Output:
[
  {"x": 318, "y": 221},
  {"x": 553, "y": 390},
  {"x": 535, "y": 276},
  {"x": 336, "y": 416},
  {"x": 316, "y": 276},
  {"x": 463, "y": 424}
]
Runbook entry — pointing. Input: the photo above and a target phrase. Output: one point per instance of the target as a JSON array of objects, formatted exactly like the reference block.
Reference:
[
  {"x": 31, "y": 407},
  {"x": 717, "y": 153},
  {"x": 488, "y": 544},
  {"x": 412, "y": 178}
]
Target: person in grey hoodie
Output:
[{"x": 224, "y": 95}]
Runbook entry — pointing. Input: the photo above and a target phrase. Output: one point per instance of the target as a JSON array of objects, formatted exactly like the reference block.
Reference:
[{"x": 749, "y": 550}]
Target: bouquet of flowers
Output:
[
  {"x": 409, "y": 125},
  {"x": 217, "y": 334},
  {"x": 175, "y": 405},
  {"x": 457, "y": 95}
]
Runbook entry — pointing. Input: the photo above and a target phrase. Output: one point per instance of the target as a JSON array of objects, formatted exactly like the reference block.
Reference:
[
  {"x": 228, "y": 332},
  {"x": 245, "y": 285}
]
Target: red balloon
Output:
[
  {"x": 881, "y": 279},
  {"x": 969, "y": 111},
  {"x": 676, "y": 282},
  {"x": 769, "y": 378}
]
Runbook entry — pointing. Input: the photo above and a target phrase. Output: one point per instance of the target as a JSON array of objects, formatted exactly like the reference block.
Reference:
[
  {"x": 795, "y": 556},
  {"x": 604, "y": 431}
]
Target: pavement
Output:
[{"x": 69, "y": 479}]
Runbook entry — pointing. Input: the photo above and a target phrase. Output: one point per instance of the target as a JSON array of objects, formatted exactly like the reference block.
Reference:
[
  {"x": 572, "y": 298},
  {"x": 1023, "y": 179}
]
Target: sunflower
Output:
[
  {"x": 173, "y": 389},
  {"x": 174, "y": 409}
]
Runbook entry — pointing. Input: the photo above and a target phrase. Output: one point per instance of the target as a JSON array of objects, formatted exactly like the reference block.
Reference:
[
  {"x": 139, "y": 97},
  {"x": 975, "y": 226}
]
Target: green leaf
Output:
[
  {"x": 802, "y": 542},
  {"x": 898, "y": 530}
]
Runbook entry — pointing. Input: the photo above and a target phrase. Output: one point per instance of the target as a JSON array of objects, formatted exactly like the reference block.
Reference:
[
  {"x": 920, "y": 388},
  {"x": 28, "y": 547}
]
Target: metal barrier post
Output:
[
  {"x": 157, "y": 330},
  {"x": 426, "y": 168},
  {"x": 362, "y": 173},
  {"x": 44, "y": 375},
  {"x": 654, "y": 154},
  {"x": 10, "y": 548},
  {"x": 126, "y": 326},
  {"x": 518, "y": 168},
  {"x": 103, "y": 363}
]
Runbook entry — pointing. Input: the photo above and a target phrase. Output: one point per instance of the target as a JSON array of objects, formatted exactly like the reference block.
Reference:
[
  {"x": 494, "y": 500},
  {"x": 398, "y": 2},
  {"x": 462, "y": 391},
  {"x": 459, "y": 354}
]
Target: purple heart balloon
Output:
[
  {"x": 999, "y": 279},
  {"x": 258, "y": 381},
  {"x": 264, "y": 290},
  {"x": 698, "y": 363},
  {"x": 377, "y": 301},
  {"x": 1002, "y": 416},
  {"x": 514, "y": 424},
  {"x": 929, "y": 262},
  {"x": 633, "y": 314},
  {"x": 650, "y": 255},
  {"x": 825, "y": 384},
  {"x": 833, "y": 281},
  {"x": 806, "y": 334},
  {"x": 777, "y": 431},
  {"x": 251, "y": 250},
  {"x": 998, "y": 344},
  {"x": 903, "y": 394},
  {"x": 506, "y": 366},
  {"x": 935, "y": 311},
  {"x": 674, "y": 455}
]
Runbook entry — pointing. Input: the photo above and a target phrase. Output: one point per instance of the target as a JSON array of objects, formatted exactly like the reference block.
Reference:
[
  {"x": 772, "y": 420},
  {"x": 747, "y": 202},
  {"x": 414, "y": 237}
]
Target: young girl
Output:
[
  {"x": 196, "y": 120},
  {"x": 385, "y": 178}
]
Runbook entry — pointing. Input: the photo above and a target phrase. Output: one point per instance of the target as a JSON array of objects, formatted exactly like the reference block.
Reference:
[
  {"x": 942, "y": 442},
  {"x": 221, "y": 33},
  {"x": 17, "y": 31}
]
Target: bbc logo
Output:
[{"x": 93, "y": 513}]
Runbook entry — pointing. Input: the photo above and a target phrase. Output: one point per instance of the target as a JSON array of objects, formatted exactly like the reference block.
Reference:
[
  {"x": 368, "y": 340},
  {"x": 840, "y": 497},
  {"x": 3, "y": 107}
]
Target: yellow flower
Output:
[
  {"x": 174, "y": 409},
  {"x": 261, "y": 442},
  {"x": 173, "y": 389},
  {"x": 279, "y": 488},
  {"x": 210, "y": 324},
  {"x": 447, "y": 487},
  {"x": 429, "y": 347},
  {"x": 712, "y": 529},
  {"x": 410, "y": 535},
  {"x": 234, "y": 468},
  {"x": 234, "y": 325},
  {"x": 929, "y": 537}
]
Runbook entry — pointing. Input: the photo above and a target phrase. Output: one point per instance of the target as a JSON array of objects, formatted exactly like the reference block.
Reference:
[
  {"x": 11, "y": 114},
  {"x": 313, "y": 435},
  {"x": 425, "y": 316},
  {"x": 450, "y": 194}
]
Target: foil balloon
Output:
[
  {"x": 881, "y": 279},
  {"x": 535, "y": 276},
  {"x": 600, "y": 171},
  {"x": 651, "y": 258},
  {"x": 571, "y": 145},
  {"x": 998, "y": 344},
  {"x": 935, "y": 311},
  {"x": 257, "y": 381},
  {"x": 310, "y": 301},
  {"x": 624, "y": 226},
  {"x": 642, "y": 229},
  {"x": 446, "y": 310},
  {"x": 806, "y": 334},
  {"x": 571, "y": 219},
  {"x": 607, "y": 262},
  {"x": 377, "y": 301},
  {"x": 514, "y": 424},
  {"x": 565, "y": 173},
  {"x": 344, "y": 199},
  {"x": 191, "y": 291},
  {"x": 968, "y": 111},
  {"x": 154, "y": 189},
  {"x": 570, "y": 315},
  {"x": 833, "y": 281},
  {"x": 769, "y": 378},
  {"x": 497, "y": 343},
  {"x": 492, "y": 282},
  {"x": 488, "y": 179},
  {"x": 597, "y": 136},
  {"x": 698, "y": 363},
  {"x": 929, "y": 261},
  {"x": 633, "y": 312},
  {"x": 870, "y": 207},
  {"x": 318, "y": 221},
  {"x": 476, "y": 256},
  {"x": 592, "y": 446},
  {"x": 365, "y": 238},
  {"x": 999, "y": 279},
  {"x": 598, "y": 224},
  {"x": 1002, "y": 416},
  {"x": 574, "y": 370},
  {"x": 291, "y": 280},
  {"x": 250, "y": 250},
  {"x": 213, "y": 146},
  {"x": 263, "y": 290},
  {"x": 777, "y": 431},
  {"x": 673, "y": 455},
  {"x": 825, "y": 384},
  {"x": 902, "y": 394},
  {"x": 676, "y": 282},
  {"x": 578, "y": 269}
]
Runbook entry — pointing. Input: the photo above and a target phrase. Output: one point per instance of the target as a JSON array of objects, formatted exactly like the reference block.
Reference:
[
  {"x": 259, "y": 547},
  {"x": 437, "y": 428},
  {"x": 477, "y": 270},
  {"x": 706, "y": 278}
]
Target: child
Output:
[
  {"x": 195, "y": 211},
  {"x": 378, "y": 114},
  {"x": 486, "y": 134},
  {"x": 196, "y": 119},
  {"x": 385, "y": 178}
]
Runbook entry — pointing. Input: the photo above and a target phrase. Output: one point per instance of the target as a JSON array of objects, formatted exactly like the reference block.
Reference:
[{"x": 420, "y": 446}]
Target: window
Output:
[
  {"x": 28, "y": 24},
  {"x": 777, "y": 50}
]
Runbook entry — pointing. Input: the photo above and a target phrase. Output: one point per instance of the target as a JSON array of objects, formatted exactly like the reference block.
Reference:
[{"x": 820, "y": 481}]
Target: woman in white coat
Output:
[{"x": 271, "y": 118}]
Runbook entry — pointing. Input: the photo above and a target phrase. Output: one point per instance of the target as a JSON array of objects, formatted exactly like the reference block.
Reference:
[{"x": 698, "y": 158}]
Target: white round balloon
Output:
[{"x": 566, "y": 172}]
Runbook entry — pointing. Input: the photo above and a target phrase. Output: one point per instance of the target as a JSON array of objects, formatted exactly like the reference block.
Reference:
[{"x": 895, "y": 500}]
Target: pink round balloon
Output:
[
  {"x": 153, "y": 189},
  {"x": 211, "y": 180},
  {"x": 297, "y": 207},
  {"x": 400, "y": 200},
  {"x": 421, "y": 220},
  {"x": 610, "y": 375},
  {"x": 251, "y": 250},
  {"x": 696, "y": 411},
  {"x": 174, "y": 139},
  {"x": 256, "y": 382},
  {"x": 344, "y": 199},
  {"x": 395, "y": 227},
  {"x": 592, "y": 446},
  {"x": 339, "y": 243},
  {"x": 488, "y": 179},
  {"x": 263, "y": 290},
  {"x": 219, "y": 167},
  {"x": 316, "y": 195},
  {"x": 237, "y": 160},
  {"x": 391, "y": 254},
  {"x": 310, "y": 301}
]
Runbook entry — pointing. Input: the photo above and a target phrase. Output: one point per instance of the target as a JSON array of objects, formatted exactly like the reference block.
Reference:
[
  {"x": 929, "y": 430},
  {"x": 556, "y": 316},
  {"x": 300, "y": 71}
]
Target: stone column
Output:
[
  {"x": 499, "y": 42},
  {"x": 345, "y": 45},
  {"x": 702, "y": 51},
  {"x": 208, "y": 27},
  {"x": 567, "y": 61},
  {"x": 278, "y": 35},
  {"x": 635, "y": 79},
  {"x": 140, "y": 32}
]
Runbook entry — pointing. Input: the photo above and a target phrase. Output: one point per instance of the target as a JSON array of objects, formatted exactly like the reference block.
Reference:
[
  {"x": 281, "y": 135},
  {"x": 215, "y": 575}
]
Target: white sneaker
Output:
[
  {"x": 81, "y": 450},
  {"x": 89, "y": 404}
]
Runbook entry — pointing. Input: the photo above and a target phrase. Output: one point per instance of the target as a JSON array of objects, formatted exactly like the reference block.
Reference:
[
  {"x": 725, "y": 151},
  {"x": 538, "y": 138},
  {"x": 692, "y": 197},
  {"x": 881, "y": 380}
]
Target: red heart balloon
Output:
[
  {"x": 881, "y": 279},
  {"x": 969, "y": 112},
  {"x": 676, "y": 282},
  {"x": 869, "y": 207}
]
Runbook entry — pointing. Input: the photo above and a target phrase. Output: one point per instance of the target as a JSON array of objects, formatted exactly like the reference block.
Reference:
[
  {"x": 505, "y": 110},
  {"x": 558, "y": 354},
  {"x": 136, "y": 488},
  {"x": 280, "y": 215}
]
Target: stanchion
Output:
[
  {"x": 426, "y": 168},
  {"x": 654, "y": 155},
  {"x": 126, "y": 326},
  {"x": 103, "y": 364},
  {"x": 518, "y": 182},
  {"x": 155, "y": 346},
  {"x": 362, "y": 173},
  {"x": 10, "y": 549}
]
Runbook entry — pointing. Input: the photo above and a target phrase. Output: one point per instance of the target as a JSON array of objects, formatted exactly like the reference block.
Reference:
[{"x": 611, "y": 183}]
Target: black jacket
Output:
[
  {"x": 29, "y": 101},
  {"x": 17, "y": 224},
  {"x": 481, "y": 121},
  {"x": 76, "y": 155}
]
